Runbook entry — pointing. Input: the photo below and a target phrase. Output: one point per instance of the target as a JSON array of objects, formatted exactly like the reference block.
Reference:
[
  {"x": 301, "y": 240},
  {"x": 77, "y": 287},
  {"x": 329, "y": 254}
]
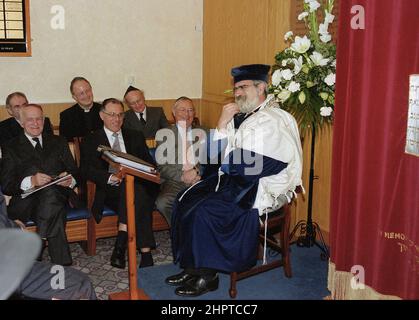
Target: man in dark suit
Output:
[
  {"x": 83, "y": 117},
  {"x": 37, "y": 283},
  {"x": 11, "y": 127},
  {"x": 176, "y": 173},
  {"x": 33, "y": 159},
  {"x": 110, "y": 189},
  {"x": 140, "y": 117}
]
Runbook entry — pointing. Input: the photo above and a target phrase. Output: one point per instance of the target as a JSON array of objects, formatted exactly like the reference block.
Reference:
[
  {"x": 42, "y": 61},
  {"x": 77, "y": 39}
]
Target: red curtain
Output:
[{"x": 375, "y": 197}]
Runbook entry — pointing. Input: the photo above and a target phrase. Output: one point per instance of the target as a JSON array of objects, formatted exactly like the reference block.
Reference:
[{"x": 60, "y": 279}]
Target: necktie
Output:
[
  {"x": 238, "y": 119},
  {"x": 117, "y": 147},
  {"x": 142, "y": 118},
  {"x": 188, "y": 155},
  {"x": 38, "y": 147}
]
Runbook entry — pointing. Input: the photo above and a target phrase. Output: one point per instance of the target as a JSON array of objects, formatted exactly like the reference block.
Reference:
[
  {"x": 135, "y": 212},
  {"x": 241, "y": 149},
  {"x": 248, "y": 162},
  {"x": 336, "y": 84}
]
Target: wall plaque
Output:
[{"x": 412, "y": 132}]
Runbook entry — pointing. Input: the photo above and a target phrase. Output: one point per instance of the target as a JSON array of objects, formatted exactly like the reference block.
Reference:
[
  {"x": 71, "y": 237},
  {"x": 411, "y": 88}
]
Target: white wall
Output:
[{"x": 158, "y": 42}]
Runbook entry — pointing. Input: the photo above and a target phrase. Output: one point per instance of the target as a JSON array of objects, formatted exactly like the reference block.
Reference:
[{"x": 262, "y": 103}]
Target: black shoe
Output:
[
  {"x": 146, "y": 260},
  {"x": 178, "y": 279},
  {"x": 118, "y": 258},
  {"x": 198, "y": 286},
  {"x": 118, "y": 254}
]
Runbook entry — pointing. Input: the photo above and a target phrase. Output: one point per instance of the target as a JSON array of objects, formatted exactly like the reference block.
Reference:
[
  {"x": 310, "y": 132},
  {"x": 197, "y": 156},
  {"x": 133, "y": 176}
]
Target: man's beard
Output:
[{"x": 247, "y": 105}]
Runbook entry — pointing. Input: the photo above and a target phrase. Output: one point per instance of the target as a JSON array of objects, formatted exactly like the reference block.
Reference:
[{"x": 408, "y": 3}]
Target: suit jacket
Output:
[
  {"x": 73, "y": 121},
  {"x": 10, "y": 128},
  {"x": 173, "y": 171},
  {"x": 21, "y": 160},
  {"x": 156, "y": 120},
  {"x": 96, "y": 169},
  {"x": 5, "y": 222}
]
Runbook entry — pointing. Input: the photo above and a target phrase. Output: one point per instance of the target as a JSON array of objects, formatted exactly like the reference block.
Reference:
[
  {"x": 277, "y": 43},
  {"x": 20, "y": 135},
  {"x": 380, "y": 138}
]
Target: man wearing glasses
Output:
[
  {"x": 215, "y": 223},
  {"x": 110, "y": 190},
  {"x": 83, "y": 117}
]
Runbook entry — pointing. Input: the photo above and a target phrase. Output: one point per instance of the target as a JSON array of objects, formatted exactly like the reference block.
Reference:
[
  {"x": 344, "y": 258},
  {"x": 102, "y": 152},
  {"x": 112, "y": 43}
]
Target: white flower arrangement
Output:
[{"x": 305, "y": 73}]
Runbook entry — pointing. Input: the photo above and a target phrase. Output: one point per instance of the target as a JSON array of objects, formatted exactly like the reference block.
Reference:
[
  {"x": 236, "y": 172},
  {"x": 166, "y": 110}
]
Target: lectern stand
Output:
[{"x": 129, "y": 173}]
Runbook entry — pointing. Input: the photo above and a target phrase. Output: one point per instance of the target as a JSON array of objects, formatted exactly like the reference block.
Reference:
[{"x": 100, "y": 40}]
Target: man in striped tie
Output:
[{"x": 110, "y": 189}]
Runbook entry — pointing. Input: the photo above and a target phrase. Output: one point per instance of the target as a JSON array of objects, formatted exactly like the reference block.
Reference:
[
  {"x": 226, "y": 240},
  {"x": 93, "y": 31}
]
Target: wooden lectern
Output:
[{"x": 129, "y": 173}]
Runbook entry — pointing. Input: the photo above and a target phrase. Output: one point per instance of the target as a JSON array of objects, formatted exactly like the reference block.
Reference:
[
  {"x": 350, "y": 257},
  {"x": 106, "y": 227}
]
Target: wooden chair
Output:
[{"x": 278, "y": 223}]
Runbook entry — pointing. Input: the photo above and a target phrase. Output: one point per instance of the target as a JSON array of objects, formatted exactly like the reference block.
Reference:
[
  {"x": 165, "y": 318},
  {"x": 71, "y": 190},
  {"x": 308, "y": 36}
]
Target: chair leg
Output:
[
  {"x": 91, "y": 237},
  {"x": 233, "y": 281}
]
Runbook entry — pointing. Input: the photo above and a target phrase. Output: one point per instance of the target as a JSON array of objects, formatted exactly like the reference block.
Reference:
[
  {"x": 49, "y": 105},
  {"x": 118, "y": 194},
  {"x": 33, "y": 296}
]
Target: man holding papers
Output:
[
  {"x": 32, "y": 160},
  {"x": 110, "y": 189}
]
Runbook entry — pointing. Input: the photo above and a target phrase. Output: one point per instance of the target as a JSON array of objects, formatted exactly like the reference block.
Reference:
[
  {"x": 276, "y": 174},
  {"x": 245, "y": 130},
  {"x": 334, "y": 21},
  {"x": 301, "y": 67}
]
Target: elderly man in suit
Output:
[
  {"x": 171, "y": 155},
  {"x": 140, "y": 117},
  {"x": 31, "y": 160},
  {"x": 37, "y": 283},
  {"x": 110, "y": 189},
  {"x": 11, "y": 127},
  {"x": 83, "y": 117}
]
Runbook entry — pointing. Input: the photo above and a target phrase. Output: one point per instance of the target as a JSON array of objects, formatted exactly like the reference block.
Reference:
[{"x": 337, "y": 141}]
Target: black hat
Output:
[
  {"x": 18, "y": 252},
  {"x": 130, "y": 88},
  {"x": 251, "y": 72}
]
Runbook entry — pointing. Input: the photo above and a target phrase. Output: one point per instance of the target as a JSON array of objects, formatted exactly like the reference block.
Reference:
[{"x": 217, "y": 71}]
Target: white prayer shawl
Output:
[{"x": 274, "y": 133}]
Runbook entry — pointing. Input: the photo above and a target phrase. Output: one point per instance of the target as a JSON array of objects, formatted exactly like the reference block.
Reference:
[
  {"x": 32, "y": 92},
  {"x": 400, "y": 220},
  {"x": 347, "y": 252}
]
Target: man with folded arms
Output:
[
  {"x": 110, "y": 189},
  {"x": 31, "y": 160}
]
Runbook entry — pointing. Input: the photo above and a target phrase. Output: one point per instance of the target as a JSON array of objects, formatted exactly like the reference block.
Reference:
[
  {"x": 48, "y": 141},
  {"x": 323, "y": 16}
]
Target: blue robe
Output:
[{"x": 219, "y": 229}]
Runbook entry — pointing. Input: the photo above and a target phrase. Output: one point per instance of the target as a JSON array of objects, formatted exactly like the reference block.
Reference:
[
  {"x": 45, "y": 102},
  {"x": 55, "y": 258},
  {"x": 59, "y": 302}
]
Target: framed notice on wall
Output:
[
  {"x": 15, "y": 36},
  {"x": 412, "y": 134}
]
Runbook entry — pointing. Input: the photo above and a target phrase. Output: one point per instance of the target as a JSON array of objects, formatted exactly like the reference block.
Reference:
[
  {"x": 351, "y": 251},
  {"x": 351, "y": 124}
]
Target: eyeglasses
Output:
[
  {"x": 243, "y": 87},
  {"x": 115, "y": 115}
]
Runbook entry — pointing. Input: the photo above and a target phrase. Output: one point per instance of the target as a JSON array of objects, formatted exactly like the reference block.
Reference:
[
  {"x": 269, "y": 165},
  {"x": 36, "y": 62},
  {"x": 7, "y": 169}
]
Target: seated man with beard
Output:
[{"x": 215, "y": 223}]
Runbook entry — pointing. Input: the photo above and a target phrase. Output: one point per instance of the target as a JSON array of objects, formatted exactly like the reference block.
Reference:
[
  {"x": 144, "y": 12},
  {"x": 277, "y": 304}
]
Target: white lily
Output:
[
  {"x": 328, "y": 17},
  {"x": 288, "y": 35},
  {"x": 293, "y": 86},
  {"x": 314, "y": 5},
  {"x": 326, "y": 111},
  {"x": 276, "y": 77},
  {"x": 318, "y": 59},
  {"x": 325, "y": 38},
  {"x": 302, "y": 15},
  {"x": 330, "y": 79},
  {"x": 287, "y": 74},
  {"x": 323, "y": 28},
  {"x": 298, "y": 64},
  {"x": 301, "y": 45}
]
